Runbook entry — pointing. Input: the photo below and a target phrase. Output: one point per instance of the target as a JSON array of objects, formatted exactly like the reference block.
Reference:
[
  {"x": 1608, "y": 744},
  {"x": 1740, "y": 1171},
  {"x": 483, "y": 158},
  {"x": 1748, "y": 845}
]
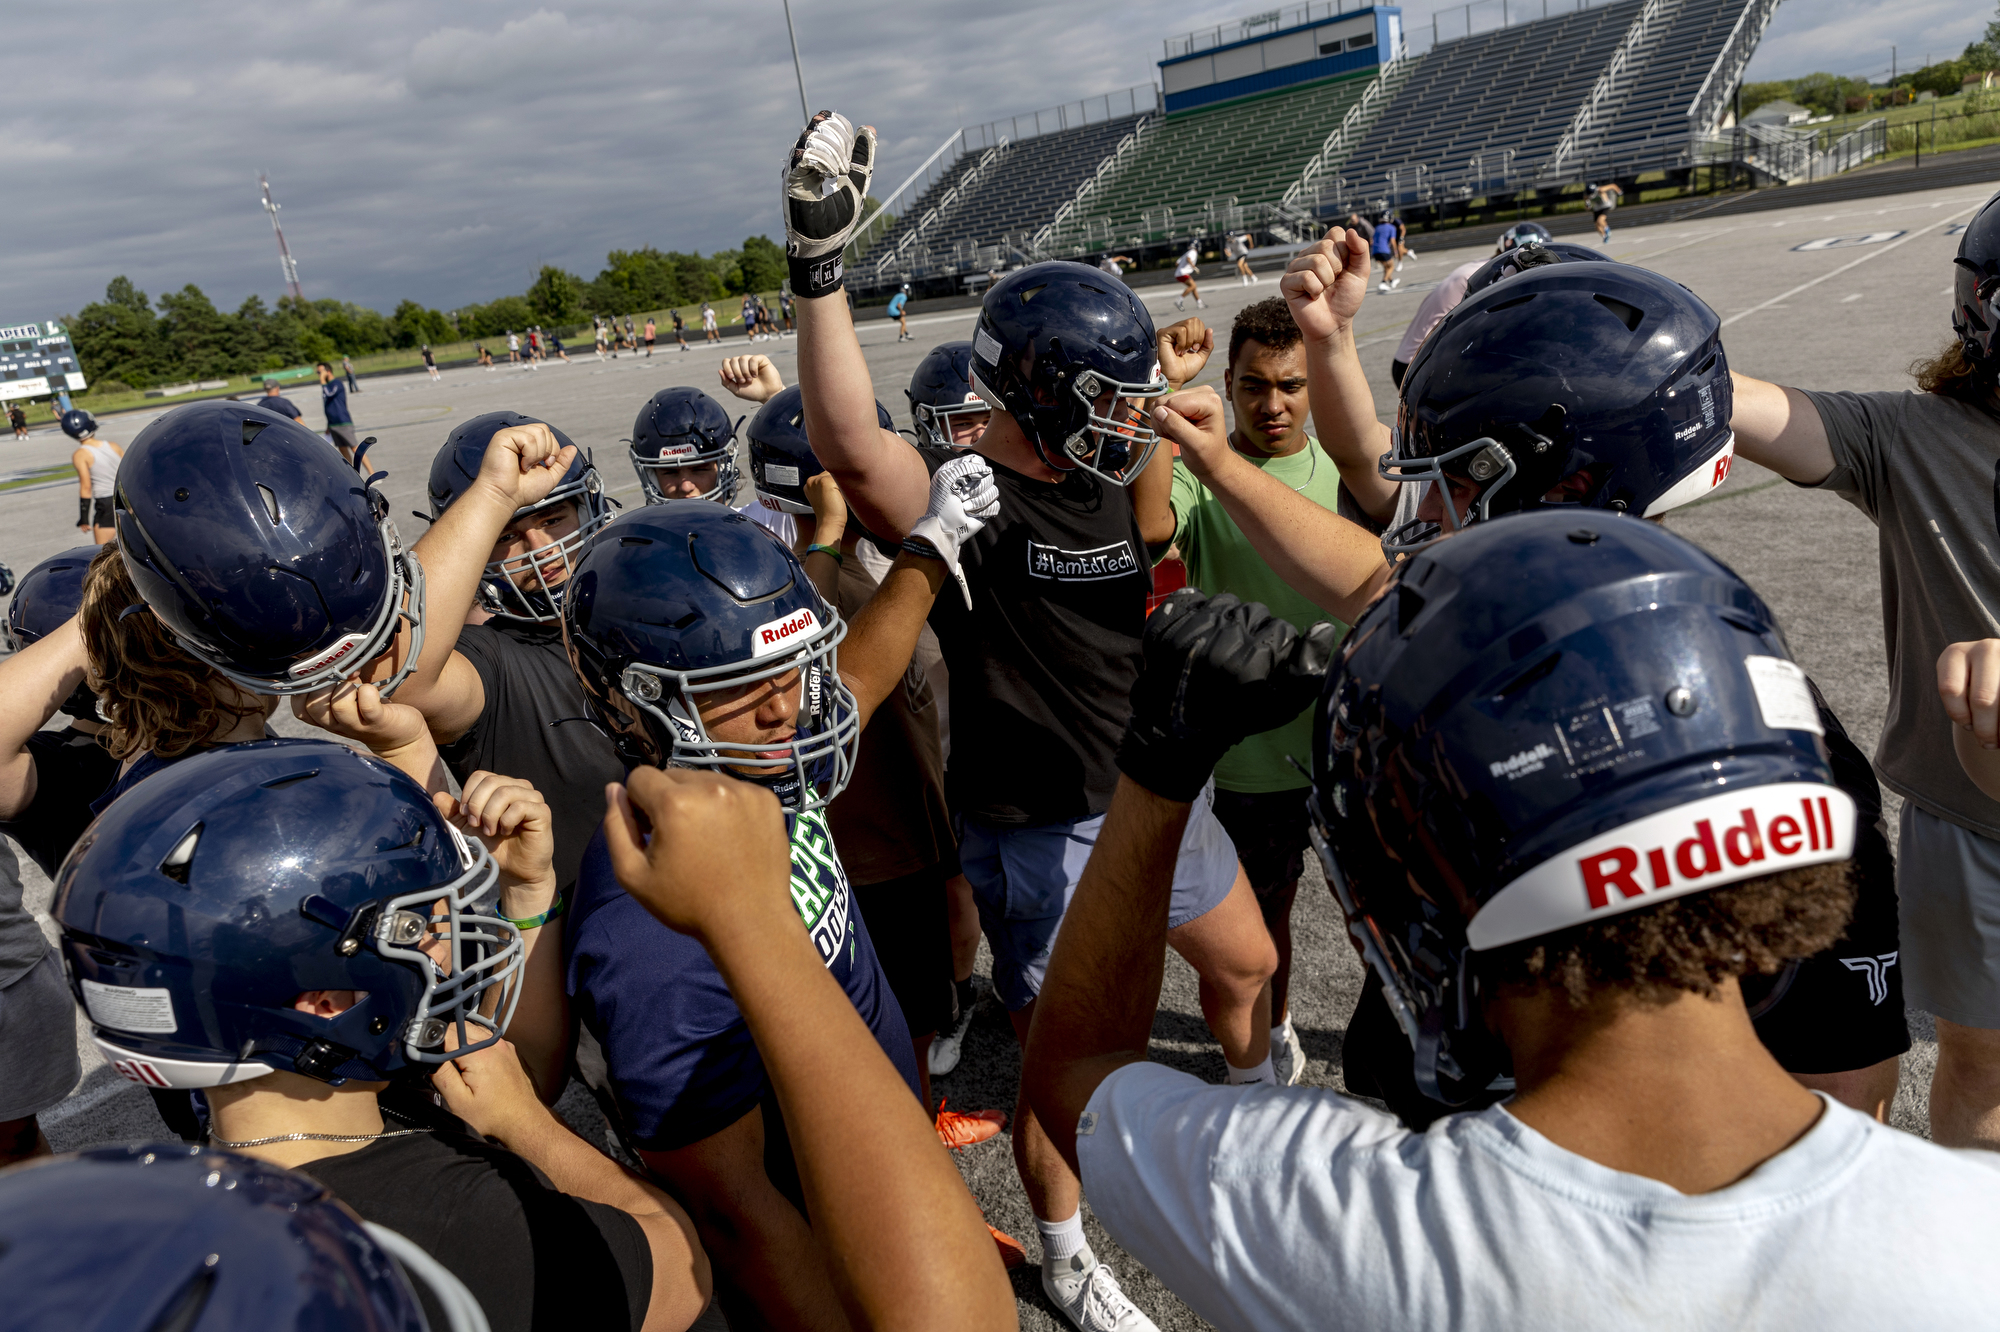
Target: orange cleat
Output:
[
  {"x": 1012, "y": 1255},
  {"x": 956, "y": 1130}
]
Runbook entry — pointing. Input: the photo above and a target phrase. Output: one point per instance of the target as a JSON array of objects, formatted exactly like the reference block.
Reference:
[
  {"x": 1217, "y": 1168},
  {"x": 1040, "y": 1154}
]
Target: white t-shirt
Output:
[
  {"x": 1296, "y": 1207},
  {"x": 1186, "y": 265},
  {"x": 777, "y": 520},
  {"x": 1111, "y": 266},
  {"x": 1438, "y": 302}
]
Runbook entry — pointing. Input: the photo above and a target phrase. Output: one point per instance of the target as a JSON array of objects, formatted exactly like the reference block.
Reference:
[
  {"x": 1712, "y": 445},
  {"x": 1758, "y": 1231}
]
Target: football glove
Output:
[
  {"x": 1215, "y": 670},
  {"x": 963, "y": 497},
  {"x": 826, "y": 187}
]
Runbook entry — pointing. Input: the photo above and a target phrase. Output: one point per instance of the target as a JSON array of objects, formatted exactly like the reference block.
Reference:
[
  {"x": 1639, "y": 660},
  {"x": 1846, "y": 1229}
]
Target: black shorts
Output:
[
  {"x": 909, "y": 923},
  {"x": 101, "y": 514},
  {"x": 1269, "y": 829}
]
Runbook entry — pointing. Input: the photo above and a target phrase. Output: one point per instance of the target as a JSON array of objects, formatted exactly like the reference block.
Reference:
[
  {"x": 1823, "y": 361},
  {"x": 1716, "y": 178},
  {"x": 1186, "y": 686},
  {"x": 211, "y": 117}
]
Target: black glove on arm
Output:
[{"x": 1215, "y": 671}]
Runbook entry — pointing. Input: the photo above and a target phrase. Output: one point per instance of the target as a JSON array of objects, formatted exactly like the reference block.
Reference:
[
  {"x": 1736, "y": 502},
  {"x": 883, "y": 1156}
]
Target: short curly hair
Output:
[
  {"x": 1687, "y": 944},
  {"x": 1268, "y": 321}
]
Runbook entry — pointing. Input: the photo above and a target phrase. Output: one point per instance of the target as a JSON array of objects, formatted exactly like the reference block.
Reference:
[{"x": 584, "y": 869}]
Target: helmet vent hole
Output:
[
  {"x": 280, "y": 783},
  {"x": 1508, "y": 305},
  {"x": 184, "y": 1313},
  {"x": 178, "y": 860},
  {"x": 252, "y": 429},
  {"x": 635, "y": 541},
  {"x": 1707, "y": 365},
  {"x": 1535, "y": 673},
  {"x": 1409, "y": 605},
  {"x": 1629, "y": 315},
  {"x": 1029, "y": 293},
  {"x": 270, "y": 501}
]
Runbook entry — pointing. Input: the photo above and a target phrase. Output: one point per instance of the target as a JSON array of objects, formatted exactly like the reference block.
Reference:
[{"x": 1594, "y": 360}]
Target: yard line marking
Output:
[{"x": 1870, "y": 253}]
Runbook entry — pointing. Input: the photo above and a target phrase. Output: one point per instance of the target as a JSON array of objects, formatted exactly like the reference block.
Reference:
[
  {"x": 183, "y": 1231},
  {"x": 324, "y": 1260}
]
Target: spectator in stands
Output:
[
  {"x": 1602, "y": 199},
  {"x": 1384, "y": 250},
  {"x": 274, "y": 401}
]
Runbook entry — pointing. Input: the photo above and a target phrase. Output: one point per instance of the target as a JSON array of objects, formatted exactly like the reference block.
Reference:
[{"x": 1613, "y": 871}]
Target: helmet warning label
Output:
[
  {"x": 129, "y": 1008},
  {"x": 1081, "y": 566}
]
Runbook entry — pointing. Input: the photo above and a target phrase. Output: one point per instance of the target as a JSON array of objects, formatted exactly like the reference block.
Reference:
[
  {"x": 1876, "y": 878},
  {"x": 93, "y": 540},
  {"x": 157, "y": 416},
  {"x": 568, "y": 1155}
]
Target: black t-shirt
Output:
[
  {"x": 1042, "y": 666},
  {"x": 537, "y": 725},
  {"x": 71, "y": 770},
  {"x": 534, "y": 1258}
]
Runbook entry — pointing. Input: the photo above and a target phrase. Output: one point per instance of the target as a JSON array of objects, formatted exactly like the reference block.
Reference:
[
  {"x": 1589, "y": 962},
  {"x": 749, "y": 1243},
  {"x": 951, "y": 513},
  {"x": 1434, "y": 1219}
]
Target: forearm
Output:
[
  {"x": 1152, "y": 499},
  {"x": 33, "y": 684},
  {"x": 883, "y": 636},
  {"x": 1116, "y": 926},
  {"x": 540, "y": 1029},
  {"x": 1779, "y": 428},
  {"x": 1343, "y": 413},
  {"x": 535, "y": 1135},
  {"x": 453, "y": 553},
  {"x": 905, "y": 1242},
  {"x": 884, "y": 481},
  {"x": 1981, "y": 765},
  {"x": 1335, "y": 563}
]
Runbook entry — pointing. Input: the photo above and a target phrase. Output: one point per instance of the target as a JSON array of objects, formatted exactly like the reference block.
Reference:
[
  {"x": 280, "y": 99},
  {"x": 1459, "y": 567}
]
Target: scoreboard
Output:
[{"x": 36, "y": 360}]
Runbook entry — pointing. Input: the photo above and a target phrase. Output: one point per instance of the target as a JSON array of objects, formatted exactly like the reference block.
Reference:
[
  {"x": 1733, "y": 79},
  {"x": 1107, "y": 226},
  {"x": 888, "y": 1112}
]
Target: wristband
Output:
[
  {"x": 923, "y": 548},
  {"x": 556, "y": 909},
  {"x": 815, "y": 277},
  {"x": 826, "y": 550},
  {"x": 83, "y": 513}
]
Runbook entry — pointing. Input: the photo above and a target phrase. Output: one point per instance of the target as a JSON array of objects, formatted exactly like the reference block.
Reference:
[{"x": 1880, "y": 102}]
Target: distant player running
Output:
[
  {"x": 897, "y": 304},
  {"x": 1184, "y": 272},
  {"x": 1239, "y": 249},
  {"x": 649, "y": 335},
  {"x": 1383, "y": 248},
  {"x": 1602, "y": 199}
]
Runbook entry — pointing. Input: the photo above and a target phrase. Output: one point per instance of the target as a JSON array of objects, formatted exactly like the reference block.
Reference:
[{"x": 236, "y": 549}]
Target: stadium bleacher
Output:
[{"x": 1666, "y": 72}]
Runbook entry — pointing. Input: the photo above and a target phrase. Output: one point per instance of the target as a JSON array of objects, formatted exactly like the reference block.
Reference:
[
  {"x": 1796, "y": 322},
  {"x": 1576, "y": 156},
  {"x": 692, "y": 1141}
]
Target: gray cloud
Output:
[{"x": 443, "y": 153}]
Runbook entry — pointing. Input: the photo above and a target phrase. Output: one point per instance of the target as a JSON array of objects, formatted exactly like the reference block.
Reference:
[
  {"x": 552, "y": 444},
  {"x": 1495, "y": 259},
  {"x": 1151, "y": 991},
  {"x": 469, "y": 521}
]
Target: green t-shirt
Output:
[{"x": 1220, "y": 559}]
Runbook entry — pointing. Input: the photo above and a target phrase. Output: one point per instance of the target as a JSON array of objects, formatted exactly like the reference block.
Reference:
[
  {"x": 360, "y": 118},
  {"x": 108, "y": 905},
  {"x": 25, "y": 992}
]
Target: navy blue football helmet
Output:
[
  {"x": 263, "y": 554},
  {"x": 1523, "y": 233},
  {"x": 1545, "y": 723},
  {"x": 1975, "y": 299},
  {"x": 163, "y": 1236},
  {"x": 547, "y": 568},
  {"x": 207, "y": 898},
  {"x": 940, "y": 390},
  {"x": 78, "y": 424},
  {"x": 781, "y": 461},
  {"x": 1070, "y": 356},
  {"x": 49, "y": 596},
  {"x": 684, "y": 427},
  {"x": 1571, "y": 385},
  {"x": 686, "y": 599},
  {"x": 1533, "y": 254}
]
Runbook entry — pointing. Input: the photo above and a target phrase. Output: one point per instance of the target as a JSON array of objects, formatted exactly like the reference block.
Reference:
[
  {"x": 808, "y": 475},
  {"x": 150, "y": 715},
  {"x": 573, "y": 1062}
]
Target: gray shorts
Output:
[
  {"x": 38, "y": 1064},
  {"x": 1023, "y": 879},
  {"x": 1948, "y": 886},
  {"x": 343, "y": 435}
]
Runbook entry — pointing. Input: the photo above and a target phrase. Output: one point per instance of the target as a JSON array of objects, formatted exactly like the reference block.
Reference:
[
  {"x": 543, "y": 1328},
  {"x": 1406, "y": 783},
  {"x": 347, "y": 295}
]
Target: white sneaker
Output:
[
  {"x": 1381, "y": 286},
  {"x": 1089, "y": 1295},
  {"x": 948, "y": 1046},
  {"x": 1397, "y": 283},
  {"x": 1288, "y": 1057},
  {"x": 1409, "y": 254}
]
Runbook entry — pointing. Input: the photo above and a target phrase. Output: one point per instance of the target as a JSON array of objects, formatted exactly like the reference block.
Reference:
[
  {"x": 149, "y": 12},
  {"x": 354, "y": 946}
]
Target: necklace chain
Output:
[{"x": 322, "y": 1137}]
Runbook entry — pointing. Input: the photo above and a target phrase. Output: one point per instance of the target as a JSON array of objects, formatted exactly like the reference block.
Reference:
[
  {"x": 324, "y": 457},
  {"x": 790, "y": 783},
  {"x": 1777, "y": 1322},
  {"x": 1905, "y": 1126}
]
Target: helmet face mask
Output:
[
  {"x": 941, "y": 396},
  {"x": 680, "y": 430}
]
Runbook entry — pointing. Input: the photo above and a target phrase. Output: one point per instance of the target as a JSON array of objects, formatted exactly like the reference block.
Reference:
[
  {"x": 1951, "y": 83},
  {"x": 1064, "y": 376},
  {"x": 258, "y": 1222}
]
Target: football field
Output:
[{"x": 1838, "y": 296}]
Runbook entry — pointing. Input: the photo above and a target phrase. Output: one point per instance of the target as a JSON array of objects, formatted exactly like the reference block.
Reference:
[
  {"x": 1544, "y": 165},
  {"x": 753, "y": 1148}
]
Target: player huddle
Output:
[{"x": 698, "y": 803}]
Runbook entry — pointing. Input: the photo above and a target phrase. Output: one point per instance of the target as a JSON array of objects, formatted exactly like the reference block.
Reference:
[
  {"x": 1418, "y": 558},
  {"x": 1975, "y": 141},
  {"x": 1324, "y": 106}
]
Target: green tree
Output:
[
  {"x": 555, "y": 296},
  {"x": 412, "y": 325},
  {"x": 266, "y": 339},
  {"x": 200, "y": 341},
  {"x": 763, "y": 264},
  {"x": 118, "y": 337}
]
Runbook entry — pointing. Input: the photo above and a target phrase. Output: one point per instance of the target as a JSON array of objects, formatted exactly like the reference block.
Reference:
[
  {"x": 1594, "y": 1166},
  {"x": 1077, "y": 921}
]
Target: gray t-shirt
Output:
[
  {"x": 1926, "y": 470},
  {"x": 22, "y": 942}
]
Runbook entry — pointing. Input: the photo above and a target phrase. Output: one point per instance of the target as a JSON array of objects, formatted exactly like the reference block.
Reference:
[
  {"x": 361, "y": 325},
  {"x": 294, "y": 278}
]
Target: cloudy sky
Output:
[{"x": 445, "y": 151}]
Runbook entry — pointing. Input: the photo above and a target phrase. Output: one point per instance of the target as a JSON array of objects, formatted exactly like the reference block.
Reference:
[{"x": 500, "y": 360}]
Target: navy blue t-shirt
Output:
[
  {"x": 682, "y": 1062},
  {"x": 333, "y": 397},
  {"x": 278, "y": 403}
]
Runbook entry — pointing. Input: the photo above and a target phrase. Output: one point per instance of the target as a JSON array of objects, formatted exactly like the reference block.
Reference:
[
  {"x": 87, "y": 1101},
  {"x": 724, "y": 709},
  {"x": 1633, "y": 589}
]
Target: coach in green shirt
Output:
[{"x": 1259, "y": 796}]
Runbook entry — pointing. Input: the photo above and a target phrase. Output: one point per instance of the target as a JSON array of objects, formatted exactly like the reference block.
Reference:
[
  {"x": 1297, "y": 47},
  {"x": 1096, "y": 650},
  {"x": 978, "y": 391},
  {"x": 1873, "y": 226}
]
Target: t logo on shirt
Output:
[{"x": 1081, "y": 566}]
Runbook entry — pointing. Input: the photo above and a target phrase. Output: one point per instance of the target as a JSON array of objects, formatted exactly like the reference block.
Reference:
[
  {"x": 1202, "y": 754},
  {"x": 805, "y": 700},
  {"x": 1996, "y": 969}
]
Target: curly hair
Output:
[
  {"x": 1268, "y": 321},
  {"x": 156, "y": 697},
  {"x": 1687, "y": 944},
  {"x": 1949, "y": 375}
]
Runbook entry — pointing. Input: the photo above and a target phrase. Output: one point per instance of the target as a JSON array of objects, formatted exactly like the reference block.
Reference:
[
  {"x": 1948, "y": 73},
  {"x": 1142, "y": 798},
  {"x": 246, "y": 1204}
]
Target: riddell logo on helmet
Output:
[
  {"x": 1718, "y": 840},
  {"x": 783, "y": 635},
  {"x": 340, "y": 649}
]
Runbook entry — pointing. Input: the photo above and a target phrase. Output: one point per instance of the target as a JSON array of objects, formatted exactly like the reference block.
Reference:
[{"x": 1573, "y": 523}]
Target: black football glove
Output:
[
  {"x": 1216, "y": 669},
  {"x": 826, "y": 188}
]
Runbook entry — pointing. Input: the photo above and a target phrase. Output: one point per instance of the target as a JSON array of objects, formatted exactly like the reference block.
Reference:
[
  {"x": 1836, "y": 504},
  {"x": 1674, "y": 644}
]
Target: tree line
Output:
[
  {"x": 1832, "y": 95},
  {"x": 128, "y": 340}
]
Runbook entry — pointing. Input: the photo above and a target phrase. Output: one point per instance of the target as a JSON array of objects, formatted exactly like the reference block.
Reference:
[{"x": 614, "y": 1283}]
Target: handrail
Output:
[
  {"x": 861, "y": 231},
  {"x": 1702, "y": 121},
  {"x": 1585, "y": 118},
  {"x": 1334, "y": 142},
  {"x": 941, "y": 208},
  {"x": 1110, "y": 164}
]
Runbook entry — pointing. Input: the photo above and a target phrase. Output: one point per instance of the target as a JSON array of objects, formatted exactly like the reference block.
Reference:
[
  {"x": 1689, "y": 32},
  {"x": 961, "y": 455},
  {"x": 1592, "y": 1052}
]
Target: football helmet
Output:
[
  {"x": 162, "y": 1236},
  {"x": 684, "y": 427},
  {"x": 684, "y": 600},
  {"x": 455, "y": 468},
  {"x": 49, "y": 595},
  {"x": 1520, "y": 259},
  {"x": 263, "y": 554},
  {"x": 78, "y": 424},
  {"x": 1570, "y": 385},
  {"x": 1975, "y": 299},
  {"x": 204, "y": 900},
  {"x": 941, "y": 389},
  {"x": 1545, "y": 723},
  {"x": 1069, "y": 356},
  {"x": 781, "y": 461},
  {"x": 1524, "y": 233}
]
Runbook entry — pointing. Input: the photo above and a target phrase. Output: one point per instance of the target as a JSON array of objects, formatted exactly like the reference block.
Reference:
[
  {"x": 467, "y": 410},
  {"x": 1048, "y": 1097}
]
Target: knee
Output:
[{"x": 1969, "y": 1056}]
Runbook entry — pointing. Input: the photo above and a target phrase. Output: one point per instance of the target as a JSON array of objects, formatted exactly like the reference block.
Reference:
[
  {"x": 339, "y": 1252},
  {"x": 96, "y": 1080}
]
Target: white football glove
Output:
[
  {"x": 826, "y": 185},
  {"x": 963, "y": 498}
]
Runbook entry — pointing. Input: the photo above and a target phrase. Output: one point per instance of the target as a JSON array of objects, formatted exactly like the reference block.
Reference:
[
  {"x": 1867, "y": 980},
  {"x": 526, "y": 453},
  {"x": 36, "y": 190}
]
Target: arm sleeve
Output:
[
  {"x": 476, "y": 643},
  {"x": 1859, "y": 429}
]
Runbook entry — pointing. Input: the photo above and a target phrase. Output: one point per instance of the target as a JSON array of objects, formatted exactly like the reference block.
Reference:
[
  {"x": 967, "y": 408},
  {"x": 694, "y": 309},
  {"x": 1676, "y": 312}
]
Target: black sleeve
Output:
[
  {"x": 71, "y": 770},
  {"x": 476, "y": 645}
]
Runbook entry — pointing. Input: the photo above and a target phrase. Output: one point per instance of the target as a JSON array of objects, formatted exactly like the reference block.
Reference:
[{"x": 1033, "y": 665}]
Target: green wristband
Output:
[
  {"x": 826, "y": 550},
  {"x": 556, "y": 908}
]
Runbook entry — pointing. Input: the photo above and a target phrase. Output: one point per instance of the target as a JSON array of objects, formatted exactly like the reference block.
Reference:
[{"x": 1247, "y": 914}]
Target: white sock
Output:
[
  {"x": 1243, "y": 1077},
  {"x": 1062, "y": 1239},
  {"x": 1281, "y": 1034}
]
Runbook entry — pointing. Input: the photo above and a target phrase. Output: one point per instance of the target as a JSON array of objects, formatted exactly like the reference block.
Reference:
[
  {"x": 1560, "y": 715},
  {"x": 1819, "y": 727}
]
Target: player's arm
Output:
[
  {"x": 751, "y": 378},
  {"x": 826, "y": 179},
  {"x": 1324, "y": 286},
  {"x": 1215, "y": 670},
  {"x": 522, "y": 465},
  {"x": 1334, "y": 563},
  {"x": 1968, "y": 679},
  {"x": 819, "y": 536},
  {"x": 904, "y": 1241},
  {"x": 883, "y": 637},
  {"x": 80, "y": 460},
  {"x": 33, "y": 684},
  {"x": 489, "y": 1090},
  {"x": 1779, "y": 428},
  {"x": 1184, "y": 349}
]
